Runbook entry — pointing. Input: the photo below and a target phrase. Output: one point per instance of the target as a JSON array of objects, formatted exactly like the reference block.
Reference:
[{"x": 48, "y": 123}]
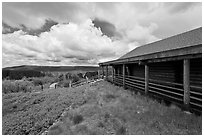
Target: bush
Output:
[
  {"x": 66, "y": 83},
  {"x": 10, "y": 86},
  {"x": 37, "y": 82},
  {"x": 77, "y": 119},
  {"x": 43, "y": 80},
  {"x": 75, "y": 78}
]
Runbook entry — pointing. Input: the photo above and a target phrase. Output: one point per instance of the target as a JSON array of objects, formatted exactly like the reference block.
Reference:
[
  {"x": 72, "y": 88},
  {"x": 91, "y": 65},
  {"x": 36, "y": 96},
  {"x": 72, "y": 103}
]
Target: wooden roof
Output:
[{"x": 181, "y": 41}]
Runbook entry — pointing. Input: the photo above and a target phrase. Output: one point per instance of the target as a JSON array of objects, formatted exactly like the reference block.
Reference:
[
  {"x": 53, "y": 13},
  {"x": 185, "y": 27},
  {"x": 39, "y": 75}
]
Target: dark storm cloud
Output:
[
  {"x": 8, "y": 29},
  {"x": 45, "y": 28},
  {"x": 107, "y": 28},
  {"x": 175, "y": 7}
]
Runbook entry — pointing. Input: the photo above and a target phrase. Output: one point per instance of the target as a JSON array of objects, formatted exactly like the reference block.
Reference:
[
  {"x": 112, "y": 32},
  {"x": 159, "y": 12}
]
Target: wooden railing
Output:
[
  {"x": 170, "y": 91},
  {"x": 79, "y": 83},
  {"x": 135, "y": 82},
  {"x": 196, "y": 97},
  {"x": 84, "y": 81},
  {"x": 117, "y": 79}
]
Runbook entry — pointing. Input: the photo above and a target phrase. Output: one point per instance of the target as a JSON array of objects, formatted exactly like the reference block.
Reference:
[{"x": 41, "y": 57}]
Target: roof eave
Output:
[{"x": 196, "y": 49}]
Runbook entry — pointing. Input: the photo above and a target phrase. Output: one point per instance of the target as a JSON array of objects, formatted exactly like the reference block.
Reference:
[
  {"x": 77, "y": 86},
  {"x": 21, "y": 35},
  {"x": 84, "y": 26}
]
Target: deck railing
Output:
[
  {"x": 169, "y": 91},
  {"x": 79, "y": 83},
  {"x": 83, "y": 81},
  {"x": 135, "y": 82},
  {"x": 196, "y": 97}
]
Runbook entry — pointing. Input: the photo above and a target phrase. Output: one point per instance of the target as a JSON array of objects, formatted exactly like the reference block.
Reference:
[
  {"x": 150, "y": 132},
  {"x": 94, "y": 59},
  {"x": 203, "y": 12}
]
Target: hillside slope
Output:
[{"x": 99, "y": 108}]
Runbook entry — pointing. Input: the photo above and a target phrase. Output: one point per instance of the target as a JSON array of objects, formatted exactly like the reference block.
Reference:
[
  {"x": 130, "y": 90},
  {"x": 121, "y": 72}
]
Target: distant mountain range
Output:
[{"x": 52, "y": 68}]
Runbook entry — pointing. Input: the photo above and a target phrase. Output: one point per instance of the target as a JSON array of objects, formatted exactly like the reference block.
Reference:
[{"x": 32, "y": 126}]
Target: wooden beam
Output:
[
  {"x": 106, "y": 72},
  {"x": 146, "y": 79},
  {"x": 112, "y": 73},
  {"x": 98, "y": 74},
  {"x": 128, "y": 71},
  {"x": 124, "y": 75},
  {"x": 102, "y": 72},
  {"x": 186, "y": 81}
]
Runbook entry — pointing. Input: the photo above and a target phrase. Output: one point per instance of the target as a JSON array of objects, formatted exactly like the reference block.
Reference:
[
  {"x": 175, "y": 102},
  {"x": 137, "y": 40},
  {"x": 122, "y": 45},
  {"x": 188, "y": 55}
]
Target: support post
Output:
[
  {"x": 112, "y": 73},
  {"x": 124, "y": 75},
  {"x": 107, "y": 72},
  {"x": 186, "y": 82},
  {"x": 98, "y": 74},
  {"x": 128, "y": 72},
  {"x": 102, "y": 72},
  {"x": 70, "y": 83},
  {"x": 146, "y": 79}
]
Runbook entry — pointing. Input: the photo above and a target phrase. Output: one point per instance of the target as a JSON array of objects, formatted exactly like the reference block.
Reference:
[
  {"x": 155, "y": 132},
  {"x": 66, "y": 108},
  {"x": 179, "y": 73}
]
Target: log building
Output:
[{"x": 170, "y": 69}]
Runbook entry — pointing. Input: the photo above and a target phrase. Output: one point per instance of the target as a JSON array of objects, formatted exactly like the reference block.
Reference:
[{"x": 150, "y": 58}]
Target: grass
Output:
[
  {"x": 101, "y": 109},
  {"x": 32, "y": 113}
]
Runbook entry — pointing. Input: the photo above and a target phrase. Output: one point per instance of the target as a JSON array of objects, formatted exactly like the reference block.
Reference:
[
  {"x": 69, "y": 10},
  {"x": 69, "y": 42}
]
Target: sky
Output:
[{"x": 65, "y": 34}]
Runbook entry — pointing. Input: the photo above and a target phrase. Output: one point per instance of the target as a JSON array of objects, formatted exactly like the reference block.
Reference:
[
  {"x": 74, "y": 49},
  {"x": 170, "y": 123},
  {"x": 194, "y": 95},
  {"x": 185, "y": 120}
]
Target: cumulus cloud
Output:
[
  {"x": 88, "y": 33},
  {"x": 67, "y": 44}
]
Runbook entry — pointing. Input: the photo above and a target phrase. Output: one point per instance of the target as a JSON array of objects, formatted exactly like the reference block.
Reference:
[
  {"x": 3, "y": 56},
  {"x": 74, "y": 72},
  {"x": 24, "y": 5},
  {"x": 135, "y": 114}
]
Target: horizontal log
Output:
[
  {"x": 135, "y": 77},
  {"x": 165, "y": 95},
  {"x": 135, "y": 80},
  {"x": 196, "y": 93},
  {"x": 166, "y": 82},
  {"x": 134, "y": 86},
  {"x": 118, "y": 79},
  {"x": 179, "y": 89},
  {"x": 167, "y": 91},
  {"x": 198, "y": 99},
  {"x": 138, "y": 84},
  {"x": 195, "y": 104},
  {"x": 196, "y": 87}
]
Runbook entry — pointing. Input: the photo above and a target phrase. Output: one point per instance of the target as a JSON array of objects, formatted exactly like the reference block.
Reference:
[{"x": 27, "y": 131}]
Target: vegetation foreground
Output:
[{"x": 99, "y": 108}]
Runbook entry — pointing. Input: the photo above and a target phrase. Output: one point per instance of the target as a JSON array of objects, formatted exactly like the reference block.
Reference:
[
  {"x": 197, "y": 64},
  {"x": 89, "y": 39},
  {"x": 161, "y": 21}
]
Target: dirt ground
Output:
[{"x": 110, "y": 109}]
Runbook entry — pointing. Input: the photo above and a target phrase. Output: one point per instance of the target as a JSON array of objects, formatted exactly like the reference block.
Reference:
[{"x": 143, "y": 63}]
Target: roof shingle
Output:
[{"x": 186, "y": 39}]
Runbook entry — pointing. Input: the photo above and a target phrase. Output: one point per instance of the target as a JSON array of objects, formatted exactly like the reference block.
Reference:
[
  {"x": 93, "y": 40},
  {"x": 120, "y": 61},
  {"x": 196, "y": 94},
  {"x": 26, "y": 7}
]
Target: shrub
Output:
[
  {"x": 10, "y": 86},
  {"x": 66, "y": 83},
  {"x": 37, "y": 81},
  {"x": 75, "y": 78},
  {"x": 43, "y": 80},
  {"x": 77, "y": 119}
]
